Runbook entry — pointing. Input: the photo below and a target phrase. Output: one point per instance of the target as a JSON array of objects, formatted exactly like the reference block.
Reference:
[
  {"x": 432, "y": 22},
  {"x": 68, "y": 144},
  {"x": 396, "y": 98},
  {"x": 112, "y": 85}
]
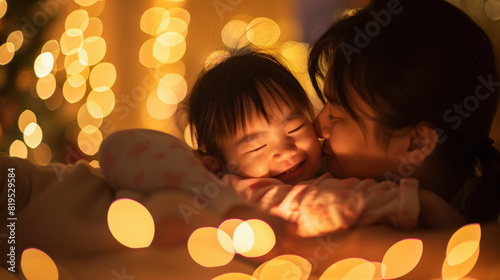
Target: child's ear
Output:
[
  {"x": 422, "y": 142},
  {"x": 211, "y": 163}
]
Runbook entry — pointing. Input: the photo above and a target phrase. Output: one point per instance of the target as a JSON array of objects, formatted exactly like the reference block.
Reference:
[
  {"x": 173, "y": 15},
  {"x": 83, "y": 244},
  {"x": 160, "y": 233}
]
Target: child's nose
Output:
[
  {"x": 285, "y": 150},
  {"x": 322, "y": 124}
]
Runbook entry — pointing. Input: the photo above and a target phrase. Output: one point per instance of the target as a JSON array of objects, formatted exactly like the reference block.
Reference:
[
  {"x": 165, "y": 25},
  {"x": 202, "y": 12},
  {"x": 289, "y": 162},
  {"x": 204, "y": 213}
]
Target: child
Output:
[{"x": 252, "y": 122}]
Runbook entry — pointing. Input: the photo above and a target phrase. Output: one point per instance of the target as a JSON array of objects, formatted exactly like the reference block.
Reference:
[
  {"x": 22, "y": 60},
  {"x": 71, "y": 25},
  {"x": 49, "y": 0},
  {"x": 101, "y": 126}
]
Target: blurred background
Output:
[{"x": 74, "y": 71}]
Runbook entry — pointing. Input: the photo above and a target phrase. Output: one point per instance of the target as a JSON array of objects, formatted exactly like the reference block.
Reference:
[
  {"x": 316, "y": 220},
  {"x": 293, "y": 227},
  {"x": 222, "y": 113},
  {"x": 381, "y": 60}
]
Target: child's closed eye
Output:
[
  {"x": 255, "y": 150},
  {"x": 292, "y": 131}
]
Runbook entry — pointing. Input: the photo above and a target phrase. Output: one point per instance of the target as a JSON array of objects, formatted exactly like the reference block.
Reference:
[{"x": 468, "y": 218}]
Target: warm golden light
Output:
[
  {"x": 3, "y": 8},
  {"x": 26, "y": 117},
  {"x": 71, "y": 40},
  {"x": 492, "y": 9},
  {"x": 86, "y": 3},
  {"x": 33, "y": 135},
  {"x": 178, "y": 12},
  {"x": 16, "y": 38},
  {"x": 401, "y": 258},
  {"x": 46, "y": 86},
  {"x": 35, "y": 264},
  {"x": 233, "y": 34},
  {"x": 215, "y": 58},
  {"x": 173, "y": 25},
  {"x": 204, "y": 248},
  {"x": 263, "y": 32},
  {"x": 131, "y": 223},
  {"x": 284, "y": 267},
  {"x": 55, "y": 100},
  {"x": 102, "y": 76},
  {"x": 42, "y": 154},
  {"x": 462, "y": 252},
  {"x": 78, "y": 19},
  {"x": 189, "y": 142},
  {"x": 74, "y": 88},
  {"x": 52, "y": 46},
  {"x": 157, "y": 109},
  {"x": 349, "y": 268},
  {"x": 18, "y": 149},
  {"x": 234, "y": 276},
  {"x": 169, "y": 47},
  {"x": 225, "y": 233},
  {"x": 44, "y": 64},
  {"x": 172, "y": 88},
  {"x": 89, "y": 143},
  {"x": 96, "y": 9},
  {"x": 72, "y": 63},
  {"x": 86, "y": 122},
  {"x": 7, "y": 51},
  {"x": 146, "y": 56},
  {"x": 152, "y": 18},
  {"x": 253, "y": 238},
  {"x": 94, "y": 164},
  {"x": 295, "y": 54},
  {"x": 94, "y": 28},
  {"x": 100, "y": 104},
  {"x": 95, "y": 48}
]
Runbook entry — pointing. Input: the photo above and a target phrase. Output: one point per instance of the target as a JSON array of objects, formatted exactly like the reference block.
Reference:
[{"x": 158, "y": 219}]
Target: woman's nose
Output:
[{"x": 322, "y": 124}]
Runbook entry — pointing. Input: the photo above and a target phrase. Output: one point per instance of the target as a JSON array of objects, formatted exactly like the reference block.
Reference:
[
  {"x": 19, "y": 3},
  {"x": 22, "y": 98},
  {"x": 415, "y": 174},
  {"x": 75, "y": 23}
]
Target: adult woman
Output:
[{"x": 412, "y": 91}]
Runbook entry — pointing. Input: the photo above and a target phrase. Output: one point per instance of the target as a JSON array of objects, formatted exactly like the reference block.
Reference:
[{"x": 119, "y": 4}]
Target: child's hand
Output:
[{"x": 436, "y": 212}]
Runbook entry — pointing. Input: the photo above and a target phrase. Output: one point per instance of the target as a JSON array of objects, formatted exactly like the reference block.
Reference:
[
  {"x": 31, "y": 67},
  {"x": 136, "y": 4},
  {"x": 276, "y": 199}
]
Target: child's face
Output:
[{"x": 287, "y": 148}]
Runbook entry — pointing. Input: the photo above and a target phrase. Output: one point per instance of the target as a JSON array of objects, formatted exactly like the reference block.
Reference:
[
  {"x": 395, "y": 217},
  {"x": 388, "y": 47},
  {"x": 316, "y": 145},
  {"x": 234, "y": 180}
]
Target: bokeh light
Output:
[
  {"x": 234, "y": 276},
  {"x": 152, "y": 18},
  {"x": 102, "y": 76},
  {"x": 351, "y": 268},
  {"x": 42, "y": 154},
  {"x": 146, "y": 56},
  {"x": 86, "y": 3},
  {"x": 7, "y": 51},
  {"x": 26, "y": 117},
  {"x": 180, "y": 13},
  {"x": 226, "y": 229},
  {"x": 157, "y": 109},
  {"x": 85, "y": 120},
  {"x": 16, "y": 38},
  {"x": 46, "y": 86},
  {"x": 3, "y": 8},
  {"x": 173, "y": 25},
  {"x": 52, "y": 46},
  {"x": 253, "y": 238},
  {"x": 131, "y": 223},
  {"x": 78, "y": 19},
  {"x": 37, "y": 265},
  {"x": 73, "y": 64},
  {"x": 71, "y": 40},
  {"x": 18, "y": 149},
  {"x": 169, "y": 47},
  {"x": 89, "y": 142},
  {"x": 492, "y": 9},
  {"x": 204, "y": 248},
  {"x": 100, "y": 104},
  {"x": 233, "y": 34},
  {"x": 263, "y": 32},
  {"x": 95, "y": 48},
  {"x": 172, "y": 88},
  {"x": 44, "y": 64},
  {"x": 33, "y": 135},
  {"x": 401, "y": 258},
  {"x": 289, "y": 266},
  {"x": 74, "y": 88},
  {"x": 94, "y": 28},
  {"x": 462, "y": 252}
]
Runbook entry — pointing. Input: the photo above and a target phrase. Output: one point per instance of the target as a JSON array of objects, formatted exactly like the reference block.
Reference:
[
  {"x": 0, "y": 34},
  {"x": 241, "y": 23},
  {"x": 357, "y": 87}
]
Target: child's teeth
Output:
[{"x": 293, "y": 169}]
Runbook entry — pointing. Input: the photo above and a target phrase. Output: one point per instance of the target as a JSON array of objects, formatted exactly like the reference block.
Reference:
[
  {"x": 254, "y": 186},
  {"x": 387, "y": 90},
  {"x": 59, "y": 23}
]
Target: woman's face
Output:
[{"x": 352, "y": 150}]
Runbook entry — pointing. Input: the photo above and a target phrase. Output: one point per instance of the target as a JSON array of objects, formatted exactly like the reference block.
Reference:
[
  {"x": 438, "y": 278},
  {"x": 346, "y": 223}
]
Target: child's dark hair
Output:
[
  {"x": 427, "y": 58},
  {"x": 223, "y": 96}
]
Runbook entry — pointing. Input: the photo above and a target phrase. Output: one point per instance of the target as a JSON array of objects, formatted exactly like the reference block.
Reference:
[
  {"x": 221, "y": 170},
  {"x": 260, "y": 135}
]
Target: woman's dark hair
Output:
[
  {"x": 419, "y": 61},
  {"x": 222, "y": 98}
]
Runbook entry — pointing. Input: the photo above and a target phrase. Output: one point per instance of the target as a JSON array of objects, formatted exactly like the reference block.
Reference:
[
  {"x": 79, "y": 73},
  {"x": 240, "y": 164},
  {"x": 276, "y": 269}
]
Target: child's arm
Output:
[
  {"x": 326, "y": 204},
  {"x": 147, "y": 160}
]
